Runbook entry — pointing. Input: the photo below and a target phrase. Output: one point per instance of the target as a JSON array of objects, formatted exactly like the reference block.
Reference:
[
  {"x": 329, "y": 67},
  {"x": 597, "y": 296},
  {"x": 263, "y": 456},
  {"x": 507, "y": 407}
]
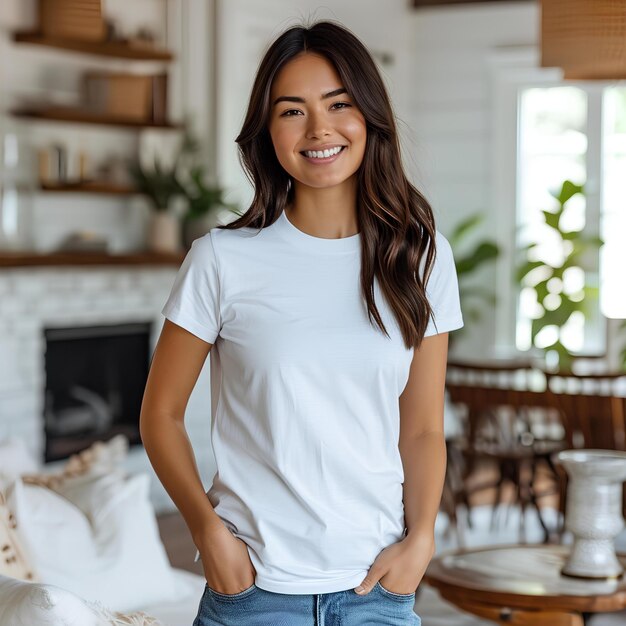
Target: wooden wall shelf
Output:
[
  {"x": 105, "y": 49},
  {"x": 66, "y": 114},
  {"x": 97, "y": 187},
  {"x": 36, "y": 259}
]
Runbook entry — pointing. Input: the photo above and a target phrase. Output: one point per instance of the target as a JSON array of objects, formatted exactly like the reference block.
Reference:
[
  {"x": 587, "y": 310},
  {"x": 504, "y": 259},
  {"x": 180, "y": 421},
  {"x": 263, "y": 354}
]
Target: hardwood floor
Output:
[{"x": 178, "y": 543}]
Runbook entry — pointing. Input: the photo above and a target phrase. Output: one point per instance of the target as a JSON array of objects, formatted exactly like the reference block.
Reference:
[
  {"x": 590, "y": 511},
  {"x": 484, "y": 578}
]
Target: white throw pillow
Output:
[
  {"x": 110, "y": 551},
  {"x": 13, "y": 560},
  {"x": 31, "y": 604},
  {"x": 15, "y": 459}
]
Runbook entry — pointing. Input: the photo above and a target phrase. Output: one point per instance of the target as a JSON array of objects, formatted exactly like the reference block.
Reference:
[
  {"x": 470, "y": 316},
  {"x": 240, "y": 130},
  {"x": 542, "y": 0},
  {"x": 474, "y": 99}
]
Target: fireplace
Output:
[
  {"x": 115, "y": 306},
  {"x": 95, "y": 377}
]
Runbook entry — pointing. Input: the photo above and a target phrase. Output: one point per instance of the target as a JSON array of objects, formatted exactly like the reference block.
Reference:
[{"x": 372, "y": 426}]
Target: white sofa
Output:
[
  {"x": 37, "y": 604},
  {"x": 81, "y": 546}
]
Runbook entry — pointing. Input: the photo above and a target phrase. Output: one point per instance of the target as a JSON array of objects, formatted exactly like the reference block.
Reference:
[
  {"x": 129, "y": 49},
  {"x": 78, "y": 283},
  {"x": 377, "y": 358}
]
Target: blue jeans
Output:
[{"x": 257, "y": 607}]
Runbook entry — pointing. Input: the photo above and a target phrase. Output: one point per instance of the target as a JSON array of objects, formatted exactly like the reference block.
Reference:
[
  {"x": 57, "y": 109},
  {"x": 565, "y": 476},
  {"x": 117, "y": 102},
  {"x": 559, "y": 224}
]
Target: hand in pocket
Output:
[{"x": 227, "y": 565}]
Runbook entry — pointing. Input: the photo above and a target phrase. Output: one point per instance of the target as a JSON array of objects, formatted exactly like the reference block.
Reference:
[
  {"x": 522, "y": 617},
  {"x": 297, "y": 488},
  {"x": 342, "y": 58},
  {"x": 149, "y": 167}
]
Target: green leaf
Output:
[
  {"x": 527, "y": 247},
  {"x": 536, "y": 326},
  {"x": 580, "y": 246},
  {"x": 592, "y": 242},
  {"x": 473, "y": 314},
  {"x": 526, "y": 268},
  {"x": 483, "y": 252},
  {"x": 569, "y": 306},
  {"x": 568, "y": 190},
  {"x": 552, "y": 219},
  {"x": 590, "y": 298},
  {"x": 570, "y": 234},
  {"x": 558, "y": 317},
  {"x": 464, "y": 227},
  {"x": 541, "y": 289}
]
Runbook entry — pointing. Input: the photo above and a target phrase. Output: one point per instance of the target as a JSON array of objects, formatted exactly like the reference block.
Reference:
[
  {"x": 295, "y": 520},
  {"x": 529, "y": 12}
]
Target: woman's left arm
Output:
[
  {"x": 401, "y": 566},
  {"x": 422, "y": 441}
]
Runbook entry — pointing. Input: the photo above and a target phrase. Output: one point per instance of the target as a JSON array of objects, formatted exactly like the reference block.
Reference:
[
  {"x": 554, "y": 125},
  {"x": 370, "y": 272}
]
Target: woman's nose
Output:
[{"x": 318, "y": 125}]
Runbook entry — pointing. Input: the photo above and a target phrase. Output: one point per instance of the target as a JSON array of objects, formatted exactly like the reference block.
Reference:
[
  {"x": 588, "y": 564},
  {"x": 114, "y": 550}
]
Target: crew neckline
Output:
[{"x": 320, "y": 244}]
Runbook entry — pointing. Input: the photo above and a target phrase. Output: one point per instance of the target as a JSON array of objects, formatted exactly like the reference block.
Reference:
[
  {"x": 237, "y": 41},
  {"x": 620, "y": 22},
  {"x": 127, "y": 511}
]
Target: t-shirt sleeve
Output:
[
  {"x": 194, "y": 301},
  {"x": 442, "y": 290}
]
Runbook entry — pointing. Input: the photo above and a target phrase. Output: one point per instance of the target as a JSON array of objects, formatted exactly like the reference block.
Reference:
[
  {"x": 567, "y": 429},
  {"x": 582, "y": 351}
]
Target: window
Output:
[
  {"x": 613, "y": 254},
  {"x": 574, "y": 131}
]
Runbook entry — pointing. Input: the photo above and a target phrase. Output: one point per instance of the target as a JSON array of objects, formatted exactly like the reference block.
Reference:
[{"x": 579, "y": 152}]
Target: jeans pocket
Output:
[
  {"x": 231, "y": 596},
  {"x": 393, "y": 594}
]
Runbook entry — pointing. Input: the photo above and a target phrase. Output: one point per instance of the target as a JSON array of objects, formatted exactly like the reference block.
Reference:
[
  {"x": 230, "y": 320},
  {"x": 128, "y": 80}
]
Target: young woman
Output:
[{"x": 326, "y": 309}]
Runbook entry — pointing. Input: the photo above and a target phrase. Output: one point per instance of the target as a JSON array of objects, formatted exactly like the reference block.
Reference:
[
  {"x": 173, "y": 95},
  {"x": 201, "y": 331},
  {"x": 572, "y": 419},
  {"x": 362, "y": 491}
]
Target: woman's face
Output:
[{"x": 304, "y": 120}]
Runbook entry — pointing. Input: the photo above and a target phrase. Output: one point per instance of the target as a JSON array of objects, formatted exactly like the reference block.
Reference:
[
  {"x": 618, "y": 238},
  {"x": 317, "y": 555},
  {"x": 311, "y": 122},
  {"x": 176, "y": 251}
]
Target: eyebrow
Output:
[{"x": 330, "y": 94}]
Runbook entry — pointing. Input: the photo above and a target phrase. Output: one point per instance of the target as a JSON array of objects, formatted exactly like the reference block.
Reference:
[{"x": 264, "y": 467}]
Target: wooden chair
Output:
[
  {"x": 509, "y": 422},
  {"x": 593, "y": 412},
  {"x": 592, "y": 407}
]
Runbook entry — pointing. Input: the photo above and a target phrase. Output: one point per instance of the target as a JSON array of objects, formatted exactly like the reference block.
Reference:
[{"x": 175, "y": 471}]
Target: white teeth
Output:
[{"x": 322, "y": 154}]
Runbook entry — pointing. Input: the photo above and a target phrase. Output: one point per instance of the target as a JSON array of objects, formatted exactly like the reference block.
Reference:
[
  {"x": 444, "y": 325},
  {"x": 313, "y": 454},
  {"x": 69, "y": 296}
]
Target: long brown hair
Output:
[{"x": 396, "y": 222}]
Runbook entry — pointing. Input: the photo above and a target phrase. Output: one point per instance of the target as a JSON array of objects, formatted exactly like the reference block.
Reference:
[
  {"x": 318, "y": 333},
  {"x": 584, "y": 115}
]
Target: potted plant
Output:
[
  {"x": 548, "y": 280},
  {"x": 185, "y": 179},
  {"x": 467, "y": 263},
  {"x": 204, "y": 205},
  {"x": 161, "y": 186}
]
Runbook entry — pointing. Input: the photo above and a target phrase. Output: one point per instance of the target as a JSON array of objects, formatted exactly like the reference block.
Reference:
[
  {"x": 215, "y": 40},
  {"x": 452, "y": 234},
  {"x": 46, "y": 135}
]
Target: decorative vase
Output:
[
  {"x": 164, "y": 232},
  {"x": 16, "y": 187},
  {"x": 594, "y": 511}
]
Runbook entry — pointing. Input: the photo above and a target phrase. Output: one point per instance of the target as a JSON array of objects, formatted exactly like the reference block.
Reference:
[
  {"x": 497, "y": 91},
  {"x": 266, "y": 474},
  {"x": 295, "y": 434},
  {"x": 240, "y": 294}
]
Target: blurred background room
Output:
[{"x": 118, "y": 121}]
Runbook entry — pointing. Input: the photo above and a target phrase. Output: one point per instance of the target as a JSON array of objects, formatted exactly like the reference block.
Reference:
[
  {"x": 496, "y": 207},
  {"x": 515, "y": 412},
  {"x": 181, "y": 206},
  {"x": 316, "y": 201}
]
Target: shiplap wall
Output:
[
  {"x": 452, "y": 108},
  {"x": 439, "y": 83},
  {"x": 246, "y": 27}
]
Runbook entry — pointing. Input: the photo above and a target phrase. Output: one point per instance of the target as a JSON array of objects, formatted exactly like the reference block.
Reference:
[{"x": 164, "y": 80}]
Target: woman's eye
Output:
[{"x": 288, "y": 112}]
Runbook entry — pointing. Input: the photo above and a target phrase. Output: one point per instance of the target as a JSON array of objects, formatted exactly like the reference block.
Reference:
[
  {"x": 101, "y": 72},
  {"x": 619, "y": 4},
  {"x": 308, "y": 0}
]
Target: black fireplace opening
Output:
[{"x": 95, "y": 380}]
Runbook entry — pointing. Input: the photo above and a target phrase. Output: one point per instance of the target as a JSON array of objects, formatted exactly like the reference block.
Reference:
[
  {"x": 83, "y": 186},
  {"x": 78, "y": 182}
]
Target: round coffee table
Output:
[{"x": 522, "y": 585}]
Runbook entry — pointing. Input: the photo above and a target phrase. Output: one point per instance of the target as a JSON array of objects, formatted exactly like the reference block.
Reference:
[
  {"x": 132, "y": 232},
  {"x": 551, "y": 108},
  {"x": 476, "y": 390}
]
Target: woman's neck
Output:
[{"x": 322, "y": 213}]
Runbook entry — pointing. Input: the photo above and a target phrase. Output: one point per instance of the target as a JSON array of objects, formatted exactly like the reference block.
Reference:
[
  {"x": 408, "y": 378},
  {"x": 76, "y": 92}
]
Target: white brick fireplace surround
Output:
[{"x": 32, "y": 299}]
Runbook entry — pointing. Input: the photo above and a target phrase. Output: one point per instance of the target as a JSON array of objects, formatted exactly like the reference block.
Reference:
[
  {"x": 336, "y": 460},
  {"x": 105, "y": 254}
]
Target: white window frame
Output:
[{"x": 510, "y": 70}]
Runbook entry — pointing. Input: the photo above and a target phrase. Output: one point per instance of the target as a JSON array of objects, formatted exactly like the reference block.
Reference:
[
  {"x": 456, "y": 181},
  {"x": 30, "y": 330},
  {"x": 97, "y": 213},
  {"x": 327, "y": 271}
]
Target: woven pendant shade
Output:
[{"x": 587, "y": 38}]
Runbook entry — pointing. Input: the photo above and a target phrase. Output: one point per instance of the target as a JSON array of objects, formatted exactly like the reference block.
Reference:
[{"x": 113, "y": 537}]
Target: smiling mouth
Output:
[{"x": 332, "y": 156}]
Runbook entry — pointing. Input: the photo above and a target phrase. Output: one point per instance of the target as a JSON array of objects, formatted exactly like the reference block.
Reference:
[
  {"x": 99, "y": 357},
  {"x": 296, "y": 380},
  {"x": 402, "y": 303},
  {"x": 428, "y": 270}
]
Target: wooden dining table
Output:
[{"x": 522, "y": 585}]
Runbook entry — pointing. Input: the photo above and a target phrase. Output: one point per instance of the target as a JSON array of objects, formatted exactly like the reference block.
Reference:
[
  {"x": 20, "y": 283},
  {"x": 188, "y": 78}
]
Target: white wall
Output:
[
  {"x": 246, "y": 27},
  {"x": 440, "y": 85},
  {"x": 451, "y": 112}
]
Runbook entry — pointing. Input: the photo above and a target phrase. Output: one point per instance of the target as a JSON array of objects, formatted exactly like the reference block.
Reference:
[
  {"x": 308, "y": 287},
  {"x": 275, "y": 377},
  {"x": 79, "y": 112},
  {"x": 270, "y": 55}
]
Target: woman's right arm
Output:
[{"x": 176, "y": 364}]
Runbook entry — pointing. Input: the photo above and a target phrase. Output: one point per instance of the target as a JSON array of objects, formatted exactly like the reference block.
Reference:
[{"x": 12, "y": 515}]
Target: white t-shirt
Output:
[{"x": 304, "y": 398}]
